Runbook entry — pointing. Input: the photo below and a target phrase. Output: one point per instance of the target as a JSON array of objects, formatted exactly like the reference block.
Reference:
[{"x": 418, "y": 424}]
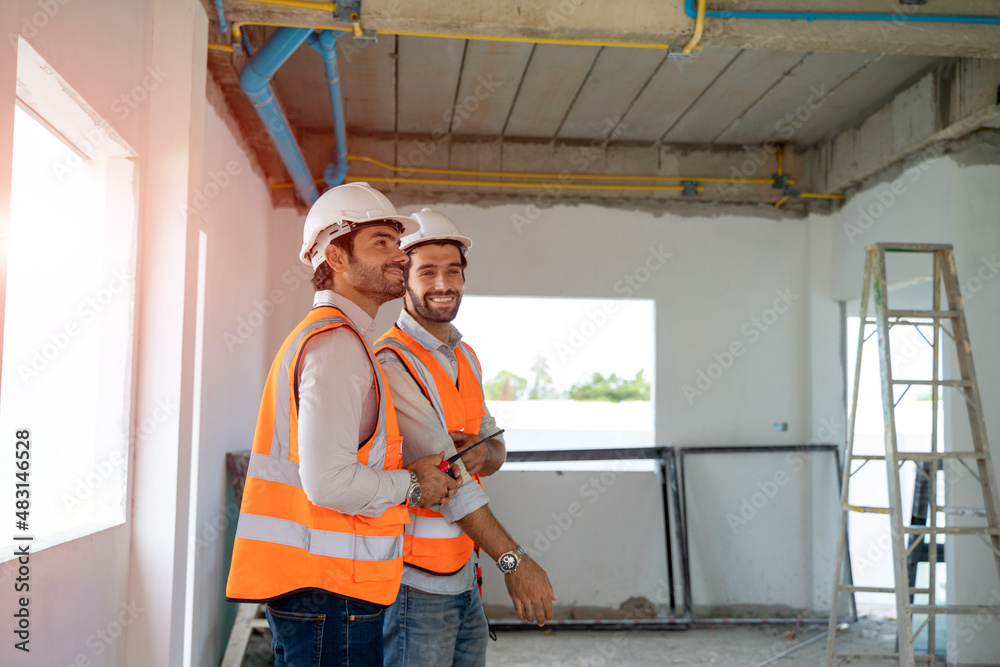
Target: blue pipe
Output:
[
  {"x": 335, "y": 172},
  {"x": 223, "y": 26},
  {"x": 255, "y": 82},
  {"x": 691, "y": 10}
]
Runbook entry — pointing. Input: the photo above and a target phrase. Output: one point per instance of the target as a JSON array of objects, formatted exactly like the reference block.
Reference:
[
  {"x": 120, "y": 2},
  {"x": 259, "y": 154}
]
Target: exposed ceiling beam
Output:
[
  {"x": 946, "y": 103},
  {"x": 565, "y": 162},
  {"x": 660, "y": 22}
]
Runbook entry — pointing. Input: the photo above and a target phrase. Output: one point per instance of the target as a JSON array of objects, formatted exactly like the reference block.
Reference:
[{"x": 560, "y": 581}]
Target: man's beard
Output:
[
  {"x": 373, "y": 280},
  {"x": 432, "y": 312}
]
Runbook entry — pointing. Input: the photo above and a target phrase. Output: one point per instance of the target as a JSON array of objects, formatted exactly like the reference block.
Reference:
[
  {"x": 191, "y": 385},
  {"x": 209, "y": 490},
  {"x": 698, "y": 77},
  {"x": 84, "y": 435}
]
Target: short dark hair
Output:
[
  {"x": 409, "y": 259},
  {"x": 323, "y": 275}
]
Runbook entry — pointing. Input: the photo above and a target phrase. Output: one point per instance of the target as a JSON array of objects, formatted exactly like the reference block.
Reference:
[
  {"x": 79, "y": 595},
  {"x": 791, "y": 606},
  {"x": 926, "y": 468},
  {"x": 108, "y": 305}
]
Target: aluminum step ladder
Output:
[{"x": 940, "y": 322}]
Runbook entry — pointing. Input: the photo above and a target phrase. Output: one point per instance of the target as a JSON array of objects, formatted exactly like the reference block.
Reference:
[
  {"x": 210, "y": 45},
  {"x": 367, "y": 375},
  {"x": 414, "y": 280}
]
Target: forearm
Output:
[
  {"x": 496, "y": 454},
  {"x": 487, "y": 532}
]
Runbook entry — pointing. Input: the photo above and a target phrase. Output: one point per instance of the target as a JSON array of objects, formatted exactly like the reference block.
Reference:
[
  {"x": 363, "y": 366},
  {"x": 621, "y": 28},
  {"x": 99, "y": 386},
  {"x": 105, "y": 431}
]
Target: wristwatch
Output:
[
  {"x": 413, "y": 491},
  {"x": 509, "y": 561}
]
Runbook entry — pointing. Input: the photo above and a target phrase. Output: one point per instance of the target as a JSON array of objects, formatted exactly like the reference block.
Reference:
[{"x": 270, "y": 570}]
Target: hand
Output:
[
  {"x": 435, "y": 486},
  {"x": 531, "y": 592},
  {"x": 475, "y": 460}
]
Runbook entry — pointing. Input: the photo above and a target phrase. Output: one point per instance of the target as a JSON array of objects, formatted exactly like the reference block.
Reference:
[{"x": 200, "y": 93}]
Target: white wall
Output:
[
  {"x": 712, "y": 280},
  {"x": 235, "y": 211},
  {"x": 78, "y": 588},
  {"x": 944, "y": 200},
  {"x": 117, "y": 597}
]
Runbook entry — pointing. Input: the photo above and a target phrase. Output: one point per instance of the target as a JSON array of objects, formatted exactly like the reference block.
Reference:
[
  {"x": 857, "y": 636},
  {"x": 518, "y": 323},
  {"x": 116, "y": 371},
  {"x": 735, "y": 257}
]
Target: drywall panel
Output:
[{"x": 239, "y": 302}]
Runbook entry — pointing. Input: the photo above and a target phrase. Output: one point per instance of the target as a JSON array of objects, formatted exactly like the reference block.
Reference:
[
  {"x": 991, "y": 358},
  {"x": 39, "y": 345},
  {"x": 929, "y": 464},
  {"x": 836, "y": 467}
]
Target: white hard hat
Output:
[
  {"x": 434, "y": 226},
  {"x": 342, "y": 210}
]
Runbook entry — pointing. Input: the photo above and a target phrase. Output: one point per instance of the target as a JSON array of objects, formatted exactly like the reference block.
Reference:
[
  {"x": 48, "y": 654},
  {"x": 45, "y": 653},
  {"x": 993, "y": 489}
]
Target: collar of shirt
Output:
[
  {"x": 426, "y": 338},
  {"x": 359, "y": 318}
]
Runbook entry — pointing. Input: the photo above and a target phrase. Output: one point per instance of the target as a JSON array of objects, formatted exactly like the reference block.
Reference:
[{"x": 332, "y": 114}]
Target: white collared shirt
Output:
[
  {"x": 337, "y": 412},
  {"x": 423, "y": 435}
]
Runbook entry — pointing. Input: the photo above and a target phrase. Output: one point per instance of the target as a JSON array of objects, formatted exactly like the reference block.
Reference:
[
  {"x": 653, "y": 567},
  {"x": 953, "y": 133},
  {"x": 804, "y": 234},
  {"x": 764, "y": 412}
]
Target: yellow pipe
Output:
[
  {"x": 300, "y": 4},
  {"x": 818, "y": 195},
  {"x": 575, "y": 177},
  {"x": 781, "y": 159},
  {"x": 238, "y": 27},
  {"x": 238, "y": 33},
  {"x": 529, "y": 40},
  {"x": 508, "y": 184},
  {"x": 808, "y": 195},
  {"x": 699, "y": 25},
  {"x": 500, "y": 184},
  {"x": 221, "y": 47}
]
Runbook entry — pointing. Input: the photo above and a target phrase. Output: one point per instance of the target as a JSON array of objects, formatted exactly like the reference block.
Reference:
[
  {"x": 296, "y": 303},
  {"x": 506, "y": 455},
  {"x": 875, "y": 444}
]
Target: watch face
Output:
[{"x": 508, "y": 562}]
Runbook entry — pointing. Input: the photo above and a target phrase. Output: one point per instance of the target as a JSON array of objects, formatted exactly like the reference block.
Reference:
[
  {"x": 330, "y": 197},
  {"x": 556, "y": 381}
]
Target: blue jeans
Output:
[
  {"x": 315, "y": 629},
  {"x": 435, "y": 630}
]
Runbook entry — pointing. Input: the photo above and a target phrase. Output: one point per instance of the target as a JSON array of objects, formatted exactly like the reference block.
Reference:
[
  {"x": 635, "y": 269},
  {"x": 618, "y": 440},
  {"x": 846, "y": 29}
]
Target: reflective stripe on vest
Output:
[
  {"x": 430, "y": 541},
  {"x": 284, "y": 543}
]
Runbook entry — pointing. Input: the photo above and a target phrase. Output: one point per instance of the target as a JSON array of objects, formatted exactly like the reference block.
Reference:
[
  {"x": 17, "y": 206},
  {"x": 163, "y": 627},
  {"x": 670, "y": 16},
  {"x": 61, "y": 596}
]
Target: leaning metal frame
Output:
[
  {"x": 671, "y": 486},
  {"x": 685, "y": 561}
]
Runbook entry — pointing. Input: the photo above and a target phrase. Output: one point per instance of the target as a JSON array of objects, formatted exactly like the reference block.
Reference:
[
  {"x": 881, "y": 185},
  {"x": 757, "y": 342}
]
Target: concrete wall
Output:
[
  {"x": 944, "y": 200},
  {"x": 117, "y": 597}
]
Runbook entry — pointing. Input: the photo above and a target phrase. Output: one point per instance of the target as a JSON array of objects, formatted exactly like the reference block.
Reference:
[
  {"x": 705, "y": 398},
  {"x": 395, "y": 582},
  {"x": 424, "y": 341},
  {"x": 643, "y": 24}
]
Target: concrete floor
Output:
[{"x": 725, "y": 646}]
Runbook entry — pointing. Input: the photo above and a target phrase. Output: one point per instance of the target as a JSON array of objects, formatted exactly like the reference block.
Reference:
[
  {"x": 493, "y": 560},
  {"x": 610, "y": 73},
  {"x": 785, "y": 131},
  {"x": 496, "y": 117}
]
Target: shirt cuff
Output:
[{"x": 467, "y": 499}]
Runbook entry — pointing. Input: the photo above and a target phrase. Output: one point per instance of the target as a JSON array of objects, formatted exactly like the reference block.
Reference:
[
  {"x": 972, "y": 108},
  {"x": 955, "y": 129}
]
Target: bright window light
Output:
[
  {"x": 575, "y": 374},
  {"x": 68, "y": 327}
]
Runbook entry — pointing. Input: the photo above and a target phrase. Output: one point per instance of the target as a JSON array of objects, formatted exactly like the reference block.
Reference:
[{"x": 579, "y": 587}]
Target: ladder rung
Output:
[
  {"x": 942, "y": 383},
  {"x": 908, "y": 247},
  {"x": 848, "y": 588},
  {"x": 953, "y": 609},
  {"x": 866, "y": 656},
  {"x": 922, "y": 313},
  {"x": 866, "y": 510},
  {"x": 951, "y": 530},
  {"x": 920, "y": 456},
  {"x": 936, "y": 456}
]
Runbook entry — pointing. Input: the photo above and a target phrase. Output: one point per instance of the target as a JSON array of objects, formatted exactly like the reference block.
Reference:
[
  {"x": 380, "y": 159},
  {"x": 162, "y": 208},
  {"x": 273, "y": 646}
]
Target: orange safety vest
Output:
[
  {"x": 429, "y": 541},
  {"x": 286, "y": 544}
]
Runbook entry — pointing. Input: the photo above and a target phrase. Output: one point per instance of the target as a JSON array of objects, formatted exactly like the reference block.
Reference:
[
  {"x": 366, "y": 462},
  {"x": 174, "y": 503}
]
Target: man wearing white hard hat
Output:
[
  {"x": 436, "y": 381},
  {"x": 319, "y": 537}
]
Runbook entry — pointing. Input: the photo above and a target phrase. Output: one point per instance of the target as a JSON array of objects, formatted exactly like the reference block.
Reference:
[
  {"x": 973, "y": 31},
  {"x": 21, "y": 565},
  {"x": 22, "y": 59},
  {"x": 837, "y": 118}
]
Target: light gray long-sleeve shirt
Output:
[{"x": 337, "y": 412}]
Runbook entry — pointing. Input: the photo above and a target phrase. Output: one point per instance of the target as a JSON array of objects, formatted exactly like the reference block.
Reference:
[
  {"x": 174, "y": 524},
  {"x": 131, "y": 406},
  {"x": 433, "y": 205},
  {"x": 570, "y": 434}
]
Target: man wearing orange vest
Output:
[
  {"x": 436, "y": 379},
  {"x": 319, "y": 537}
]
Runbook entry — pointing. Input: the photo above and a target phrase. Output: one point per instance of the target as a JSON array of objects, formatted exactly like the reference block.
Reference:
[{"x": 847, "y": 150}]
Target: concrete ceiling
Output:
[{"x": 511, "y": 106}]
